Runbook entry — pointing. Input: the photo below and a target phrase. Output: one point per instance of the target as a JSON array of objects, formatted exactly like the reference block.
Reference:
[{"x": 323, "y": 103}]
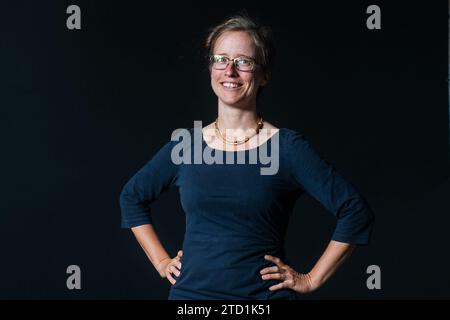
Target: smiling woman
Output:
[{"x": 237, "y": 216}]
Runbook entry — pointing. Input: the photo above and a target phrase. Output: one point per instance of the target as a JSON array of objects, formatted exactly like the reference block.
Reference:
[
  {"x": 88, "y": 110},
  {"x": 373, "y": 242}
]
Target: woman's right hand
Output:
[{"x": 169, "y": 266}]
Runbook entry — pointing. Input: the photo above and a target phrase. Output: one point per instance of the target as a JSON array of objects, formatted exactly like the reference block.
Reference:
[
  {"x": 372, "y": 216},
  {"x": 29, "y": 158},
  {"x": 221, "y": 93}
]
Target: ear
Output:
[{"x": 264, "y": 81}]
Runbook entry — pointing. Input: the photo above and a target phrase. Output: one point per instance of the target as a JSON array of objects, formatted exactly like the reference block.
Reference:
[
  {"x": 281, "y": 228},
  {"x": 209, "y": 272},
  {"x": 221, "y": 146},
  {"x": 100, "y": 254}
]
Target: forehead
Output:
[{"x": 235, "y": 43}]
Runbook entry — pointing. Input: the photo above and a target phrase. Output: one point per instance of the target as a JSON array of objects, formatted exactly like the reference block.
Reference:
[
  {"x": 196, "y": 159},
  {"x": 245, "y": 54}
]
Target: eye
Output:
[
  {"x": 220, "y": 59},
  {"x": 244, "y": 61}
]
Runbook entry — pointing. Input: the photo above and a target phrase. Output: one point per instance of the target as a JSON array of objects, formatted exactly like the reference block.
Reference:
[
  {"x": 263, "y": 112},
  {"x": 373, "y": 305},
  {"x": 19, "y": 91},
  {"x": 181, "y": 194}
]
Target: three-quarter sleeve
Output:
[
  {"x": 158, "y": 175},
  {"x": 321, "y": 180}
]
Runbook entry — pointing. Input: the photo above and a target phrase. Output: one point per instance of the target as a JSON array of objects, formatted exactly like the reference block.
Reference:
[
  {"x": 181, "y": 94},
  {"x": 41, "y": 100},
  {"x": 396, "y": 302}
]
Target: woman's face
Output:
[{"x": 233, "y": 44}]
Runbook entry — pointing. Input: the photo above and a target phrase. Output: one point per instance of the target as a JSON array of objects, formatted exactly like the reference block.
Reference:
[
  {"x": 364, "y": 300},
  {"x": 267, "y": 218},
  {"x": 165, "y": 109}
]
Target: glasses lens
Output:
[
  {"x": 219, "y": 62},
  {"x": 244, "y": 64}
]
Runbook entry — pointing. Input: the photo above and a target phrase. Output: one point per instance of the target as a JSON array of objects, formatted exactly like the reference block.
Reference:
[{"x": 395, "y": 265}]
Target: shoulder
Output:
[
  {"x": 291, "y": 136},
  {"x": 295, "y": 144},
  {"x": 268, "y": 125}
]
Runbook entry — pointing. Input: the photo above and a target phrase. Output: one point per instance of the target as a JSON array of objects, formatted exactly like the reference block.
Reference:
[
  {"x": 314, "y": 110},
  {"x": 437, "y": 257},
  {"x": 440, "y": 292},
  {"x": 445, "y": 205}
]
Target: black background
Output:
[{"x": 83, "y": 110}]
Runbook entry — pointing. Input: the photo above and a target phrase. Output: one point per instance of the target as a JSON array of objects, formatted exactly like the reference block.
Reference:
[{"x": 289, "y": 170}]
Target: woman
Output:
[{"x": 236, "y": 217}]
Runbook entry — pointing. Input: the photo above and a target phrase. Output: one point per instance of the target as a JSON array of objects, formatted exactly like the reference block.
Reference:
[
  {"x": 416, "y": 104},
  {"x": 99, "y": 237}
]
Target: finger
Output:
[
  {"x": 270, "y": 270},
  {"x": 174, "y": 270},
  {"x": 179, "y": 255},
  {"x": 171, "y": 279},
  {"x": 275, "y": 276},
  {"x": 178, "y": 264},
  {"x": 278, "y": 286},
  {"x": 275, "y": 260},
  {"x": 173, "y": 266}
]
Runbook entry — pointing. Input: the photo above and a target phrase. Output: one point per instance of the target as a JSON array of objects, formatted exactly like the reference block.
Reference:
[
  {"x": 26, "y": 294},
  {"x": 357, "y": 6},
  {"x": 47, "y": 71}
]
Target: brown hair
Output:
[{"x": 261, "y": 35}]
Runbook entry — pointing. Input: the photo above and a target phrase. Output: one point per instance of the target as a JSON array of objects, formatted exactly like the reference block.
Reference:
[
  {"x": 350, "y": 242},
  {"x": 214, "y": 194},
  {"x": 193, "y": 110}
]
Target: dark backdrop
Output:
[{"x": 81, "y": 111}]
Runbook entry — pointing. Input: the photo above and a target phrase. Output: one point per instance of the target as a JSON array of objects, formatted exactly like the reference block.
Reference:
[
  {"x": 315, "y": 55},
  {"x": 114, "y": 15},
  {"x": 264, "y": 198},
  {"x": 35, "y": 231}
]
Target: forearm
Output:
[
  {"x": 153, "y": 248},
  {"x": 334, "y": 255}
]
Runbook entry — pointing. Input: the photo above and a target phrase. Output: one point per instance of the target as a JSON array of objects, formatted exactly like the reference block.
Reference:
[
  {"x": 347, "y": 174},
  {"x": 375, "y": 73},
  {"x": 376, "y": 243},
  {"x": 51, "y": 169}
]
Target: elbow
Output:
[{"x": 355, "y": 223}]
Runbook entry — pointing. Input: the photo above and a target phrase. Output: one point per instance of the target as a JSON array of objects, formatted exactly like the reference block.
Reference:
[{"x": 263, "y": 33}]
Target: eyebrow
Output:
[{"x": 239, "y": 55}]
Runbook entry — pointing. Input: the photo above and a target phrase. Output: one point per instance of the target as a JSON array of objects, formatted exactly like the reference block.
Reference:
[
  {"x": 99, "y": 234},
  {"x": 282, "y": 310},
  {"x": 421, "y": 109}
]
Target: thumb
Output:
[{"x": 180, "y": 253}]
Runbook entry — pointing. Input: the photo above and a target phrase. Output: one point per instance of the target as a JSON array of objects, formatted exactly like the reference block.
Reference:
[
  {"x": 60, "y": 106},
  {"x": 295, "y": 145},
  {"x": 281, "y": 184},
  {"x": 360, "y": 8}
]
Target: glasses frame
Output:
[{"x": 235, "y": 64}]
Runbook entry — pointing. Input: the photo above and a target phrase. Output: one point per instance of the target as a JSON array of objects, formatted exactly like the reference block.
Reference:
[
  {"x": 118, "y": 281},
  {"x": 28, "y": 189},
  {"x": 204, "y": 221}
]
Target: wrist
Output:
[
  {"x": 314, "y": 280},
  {"x": 161, "y": 266}
]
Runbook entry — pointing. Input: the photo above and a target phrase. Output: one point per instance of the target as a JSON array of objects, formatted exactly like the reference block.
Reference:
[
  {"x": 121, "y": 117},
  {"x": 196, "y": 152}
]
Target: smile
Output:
[{"x": 231, "y": 85}]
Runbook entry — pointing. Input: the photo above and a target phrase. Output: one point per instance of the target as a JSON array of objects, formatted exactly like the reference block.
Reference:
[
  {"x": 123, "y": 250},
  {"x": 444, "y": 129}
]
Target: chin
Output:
[
  {"x": 236, "y": 104},
  {"x": 231, "y": 101}
]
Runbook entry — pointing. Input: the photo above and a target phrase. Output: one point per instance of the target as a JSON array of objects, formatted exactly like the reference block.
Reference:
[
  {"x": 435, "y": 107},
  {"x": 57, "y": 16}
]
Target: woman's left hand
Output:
[{"x": 290, "y": 279}]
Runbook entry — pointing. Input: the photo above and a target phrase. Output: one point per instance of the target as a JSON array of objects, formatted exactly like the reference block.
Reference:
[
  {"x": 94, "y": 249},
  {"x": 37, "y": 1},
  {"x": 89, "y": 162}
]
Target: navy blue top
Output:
[{"x": 235, "y": 215}]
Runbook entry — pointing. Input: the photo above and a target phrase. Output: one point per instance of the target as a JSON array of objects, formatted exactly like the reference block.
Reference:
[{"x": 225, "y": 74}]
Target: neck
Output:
[{"x": 237, "y": 118}]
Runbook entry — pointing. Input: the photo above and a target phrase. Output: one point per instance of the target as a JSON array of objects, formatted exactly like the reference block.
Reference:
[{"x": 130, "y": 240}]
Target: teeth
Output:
[{"x": 230, "y": 85}]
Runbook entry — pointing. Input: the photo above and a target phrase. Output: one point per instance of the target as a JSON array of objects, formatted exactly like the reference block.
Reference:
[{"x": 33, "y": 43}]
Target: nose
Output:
[{"x": 230, "y": 70}]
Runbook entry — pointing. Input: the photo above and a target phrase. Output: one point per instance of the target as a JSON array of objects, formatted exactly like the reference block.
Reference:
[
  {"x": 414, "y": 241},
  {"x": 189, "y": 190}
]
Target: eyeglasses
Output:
[{"x": 220, "y": 62}]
